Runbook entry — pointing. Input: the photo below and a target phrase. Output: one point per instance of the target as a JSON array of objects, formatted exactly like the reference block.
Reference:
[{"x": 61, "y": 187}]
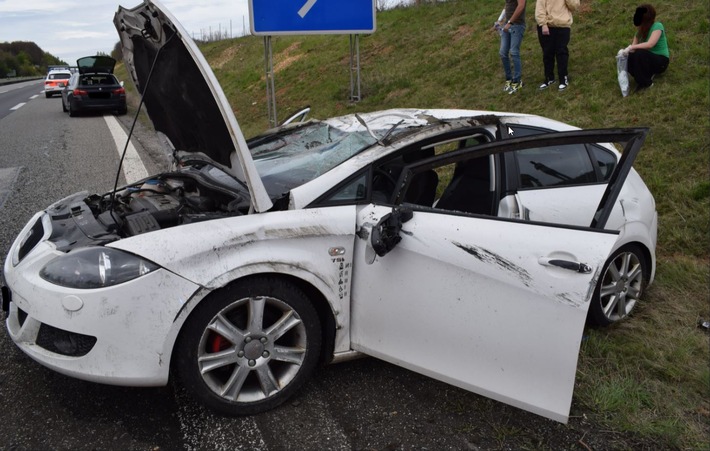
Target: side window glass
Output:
[
  {"x": 605, "y": 160},
  {"x": 554, "y": 166},
  {"x": 464, "y": 186},
  {"x": 353, "y": 192}
]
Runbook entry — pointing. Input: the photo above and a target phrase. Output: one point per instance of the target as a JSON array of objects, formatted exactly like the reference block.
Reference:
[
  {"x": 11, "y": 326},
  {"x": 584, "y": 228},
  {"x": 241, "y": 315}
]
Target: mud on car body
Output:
[{"x": 469, "y": 246}]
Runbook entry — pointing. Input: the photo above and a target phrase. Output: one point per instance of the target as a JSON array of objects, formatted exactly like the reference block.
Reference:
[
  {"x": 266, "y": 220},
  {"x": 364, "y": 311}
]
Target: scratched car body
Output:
[{"x": 469, "y": 246}]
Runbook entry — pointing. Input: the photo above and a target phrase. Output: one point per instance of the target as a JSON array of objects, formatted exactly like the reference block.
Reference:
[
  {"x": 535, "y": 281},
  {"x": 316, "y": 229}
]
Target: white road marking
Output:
[
  {"x": 133, "y": 167},
  {"x": 18, "y": 106},
  {"x": 34, "y": 96},
  {"x": 8, "y": 177},
  {"x": 306, "y": 7}
]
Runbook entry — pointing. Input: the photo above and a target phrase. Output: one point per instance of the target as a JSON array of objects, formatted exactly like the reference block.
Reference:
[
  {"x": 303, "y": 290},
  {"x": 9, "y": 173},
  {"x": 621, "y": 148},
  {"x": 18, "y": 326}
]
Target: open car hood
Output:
[
  {"x": 96, "y": 64},
  {"x": 182, "y": 95}
]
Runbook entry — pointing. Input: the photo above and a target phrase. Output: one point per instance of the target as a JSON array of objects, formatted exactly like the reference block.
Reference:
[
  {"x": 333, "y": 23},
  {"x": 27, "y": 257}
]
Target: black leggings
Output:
[{"x": 643, "y": 65}]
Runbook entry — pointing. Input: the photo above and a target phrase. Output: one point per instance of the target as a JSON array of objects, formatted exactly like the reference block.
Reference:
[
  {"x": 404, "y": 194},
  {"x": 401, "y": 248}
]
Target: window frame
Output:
[{"x": 512, "y": 174}]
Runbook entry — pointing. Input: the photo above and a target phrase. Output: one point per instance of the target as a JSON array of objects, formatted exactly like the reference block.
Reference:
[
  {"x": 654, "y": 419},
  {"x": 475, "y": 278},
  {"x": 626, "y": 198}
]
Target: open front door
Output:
[{"x": 490, "y": 305}]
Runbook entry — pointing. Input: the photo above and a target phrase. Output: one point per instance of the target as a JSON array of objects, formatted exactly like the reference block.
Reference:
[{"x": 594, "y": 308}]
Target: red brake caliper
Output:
[{"x": 218, "y": 343}]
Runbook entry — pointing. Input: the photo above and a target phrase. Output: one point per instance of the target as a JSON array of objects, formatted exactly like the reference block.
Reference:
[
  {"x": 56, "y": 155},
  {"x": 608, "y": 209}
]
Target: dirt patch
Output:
[
  {"x": 584, "y": 8},
  {"x": 225, "y": 57},
  {"x": 288, "y": 57},
  {"x": 462, "y": 32}
]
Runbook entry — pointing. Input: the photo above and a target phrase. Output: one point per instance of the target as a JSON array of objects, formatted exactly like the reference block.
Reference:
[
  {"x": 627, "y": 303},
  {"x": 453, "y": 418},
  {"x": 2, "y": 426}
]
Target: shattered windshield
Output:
[{"x": 289, "y": 159}]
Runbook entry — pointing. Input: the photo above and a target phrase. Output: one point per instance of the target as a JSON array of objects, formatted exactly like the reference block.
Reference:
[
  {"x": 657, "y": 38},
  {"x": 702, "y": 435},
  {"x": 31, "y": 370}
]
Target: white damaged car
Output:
[{"x": 469, "y": 246}]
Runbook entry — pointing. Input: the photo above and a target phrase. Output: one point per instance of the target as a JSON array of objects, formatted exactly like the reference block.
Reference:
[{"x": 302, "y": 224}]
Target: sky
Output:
[{"x": 71, "y": 29}]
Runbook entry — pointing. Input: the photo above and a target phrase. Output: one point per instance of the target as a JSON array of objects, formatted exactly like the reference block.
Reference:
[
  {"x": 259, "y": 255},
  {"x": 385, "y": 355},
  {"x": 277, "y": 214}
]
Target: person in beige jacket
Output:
[{"x": 554, "y": 20}]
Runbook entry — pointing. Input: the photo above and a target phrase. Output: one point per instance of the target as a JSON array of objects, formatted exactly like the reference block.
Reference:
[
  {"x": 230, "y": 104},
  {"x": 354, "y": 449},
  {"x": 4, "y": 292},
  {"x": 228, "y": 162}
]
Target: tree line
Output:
[{"x": 25, "y": 59}]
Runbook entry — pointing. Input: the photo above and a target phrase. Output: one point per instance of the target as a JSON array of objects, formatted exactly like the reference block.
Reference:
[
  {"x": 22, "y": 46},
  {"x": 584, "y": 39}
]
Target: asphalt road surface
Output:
[{"x": 363, "y": 405}]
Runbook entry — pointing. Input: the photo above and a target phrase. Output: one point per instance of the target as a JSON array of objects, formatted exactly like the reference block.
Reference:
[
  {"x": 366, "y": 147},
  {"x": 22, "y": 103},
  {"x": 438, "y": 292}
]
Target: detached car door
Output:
[{"x": 492, "y": 305}]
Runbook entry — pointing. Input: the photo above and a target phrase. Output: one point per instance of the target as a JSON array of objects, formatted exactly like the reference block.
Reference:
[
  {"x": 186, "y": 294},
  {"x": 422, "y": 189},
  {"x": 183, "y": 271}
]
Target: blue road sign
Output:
[{"x": 272, "y": 17}]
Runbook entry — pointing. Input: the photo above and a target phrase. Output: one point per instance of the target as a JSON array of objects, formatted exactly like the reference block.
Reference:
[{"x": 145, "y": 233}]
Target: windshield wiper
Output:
[{"x": 380, "y": 141}]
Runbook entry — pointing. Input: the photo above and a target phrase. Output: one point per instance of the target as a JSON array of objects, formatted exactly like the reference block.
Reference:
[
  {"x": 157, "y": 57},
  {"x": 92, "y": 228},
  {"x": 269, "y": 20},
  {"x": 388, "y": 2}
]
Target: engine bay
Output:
[{"x": 163, "y": 201}]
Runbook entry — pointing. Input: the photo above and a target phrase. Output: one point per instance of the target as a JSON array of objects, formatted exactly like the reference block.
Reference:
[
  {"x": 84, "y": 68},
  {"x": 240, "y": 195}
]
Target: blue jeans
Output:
[{"x": 510, "y": 50}]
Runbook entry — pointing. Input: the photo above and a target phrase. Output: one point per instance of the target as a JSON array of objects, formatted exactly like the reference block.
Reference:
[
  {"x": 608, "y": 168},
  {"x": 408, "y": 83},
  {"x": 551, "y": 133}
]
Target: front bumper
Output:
[{"x": 121, "y": 335}]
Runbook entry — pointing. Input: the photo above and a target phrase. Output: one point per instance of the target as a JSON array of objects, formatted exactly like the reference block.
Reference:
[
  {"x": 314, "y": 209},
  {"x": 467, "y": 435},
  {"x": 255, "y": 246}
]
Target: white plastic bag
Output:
[{"x": 622, "y": 59}]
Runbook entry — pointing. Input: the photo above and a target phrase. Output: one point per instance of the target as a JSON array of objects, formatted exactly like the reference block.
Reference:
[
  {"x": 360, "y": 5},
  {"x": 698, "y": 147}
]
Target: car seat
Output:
[{"x": 469, "y": 189}]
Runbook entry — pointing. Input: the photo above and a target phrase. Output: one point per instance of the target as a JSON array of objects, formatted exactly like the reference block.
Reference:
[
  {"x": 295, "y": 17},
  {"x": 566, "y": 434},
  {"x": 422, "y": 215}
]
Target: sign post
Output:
[{"x": 292, "y": 17}]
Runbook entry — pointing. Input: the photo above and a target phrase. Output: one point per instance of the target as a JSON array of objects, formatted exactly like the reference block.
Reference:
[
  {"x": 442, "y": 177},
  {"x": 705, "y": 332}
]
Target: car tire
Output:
[
  {"x": 620, "y": 287},
  {"x": 238, "y": 368},
  {"x": 64, "y": 107},
  {"x": 123, "y": 111},
  {"x": 47, "y": 95},
  {"x": 72, "y": 111}
]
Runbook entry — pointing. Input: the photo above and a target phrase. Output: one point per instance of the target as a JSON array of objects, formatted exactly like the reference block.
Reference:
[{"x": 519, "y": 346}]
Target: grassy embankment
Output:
[{"x": 649, "y": 375}]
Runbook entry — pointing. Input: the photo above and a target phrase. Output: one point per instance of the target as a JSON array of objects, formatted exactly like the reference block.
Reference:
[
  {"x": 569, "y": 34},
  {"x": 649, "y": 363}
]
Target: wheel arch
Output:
[
  {"x": 318, "y": 300},
  {"x": 637, "y": 233}
]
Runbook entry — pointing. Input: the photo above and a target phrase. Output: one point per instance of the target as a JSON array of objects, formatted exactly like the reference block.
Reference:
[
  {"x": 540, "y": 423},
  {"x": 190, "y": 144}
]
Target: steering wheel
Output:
[{"x": 379, "y": 175}]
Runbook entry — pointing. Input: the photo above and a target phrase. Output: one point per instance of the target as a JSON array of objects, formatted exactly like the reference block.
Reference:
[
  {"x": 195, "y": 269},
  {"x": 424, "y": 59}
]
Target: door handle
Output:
[{"x": 566, "y": 264}]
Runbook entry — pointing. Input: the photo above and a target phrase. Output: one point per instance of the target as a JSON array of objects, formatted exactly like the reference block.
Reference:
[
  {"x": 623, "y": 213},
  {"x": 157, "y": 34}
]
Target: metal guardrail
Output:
[{"x": 9, "y": 81}]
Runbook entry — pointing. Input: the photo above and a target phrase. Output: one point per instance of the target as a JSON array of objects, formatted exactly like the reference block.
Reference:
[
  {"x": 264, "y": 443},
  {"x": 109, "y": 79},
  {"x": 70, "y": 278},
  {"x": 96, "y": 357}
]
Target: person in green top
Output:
[{"x": 648, "y": 53}]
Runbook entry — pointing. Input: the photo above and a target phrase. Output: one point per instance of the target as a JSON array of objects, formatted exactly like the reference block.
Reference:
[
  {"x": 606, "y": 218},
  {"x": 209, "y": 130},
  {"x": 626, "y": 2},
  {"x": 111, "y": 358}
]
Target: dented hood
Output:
[{"x": 182, "y": 95}]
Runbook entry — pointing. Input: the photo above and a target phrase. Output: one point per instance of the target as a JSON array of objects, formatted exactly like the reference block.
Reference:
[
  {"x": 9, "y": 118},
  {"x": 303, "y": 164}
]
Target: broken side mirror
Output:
[{"x": 385, "y": 235}]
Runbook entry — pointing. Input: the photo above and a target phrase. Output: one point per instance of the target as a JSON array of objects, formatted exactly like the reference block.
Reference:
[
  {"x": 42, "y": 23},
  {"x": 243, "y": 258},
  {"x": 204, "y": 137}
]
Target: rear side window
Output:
[
  {"x": 605, "y": 160},
  {"x": 570, "y": 165}
]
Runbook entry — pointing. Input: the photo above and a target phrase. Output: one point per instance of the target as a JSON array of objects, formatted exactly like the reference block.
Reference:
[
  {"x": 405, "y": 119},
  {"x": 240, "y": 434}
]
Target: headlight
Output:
[{"x": 95, "y": 267}]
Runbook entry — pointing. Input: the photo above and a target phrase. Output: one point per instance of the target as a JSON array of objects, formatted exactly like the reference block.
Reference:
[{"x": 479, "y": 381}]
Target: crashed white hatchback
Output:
[{"x": 469, "y": 246}]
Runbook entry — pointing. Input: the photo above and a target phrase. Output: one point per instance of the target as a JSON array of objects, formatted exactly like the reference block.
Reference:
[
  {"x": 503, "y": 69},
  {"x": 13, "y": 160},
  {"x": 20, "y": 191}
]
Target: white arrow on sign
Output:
[{"x": 306, "y": 7}]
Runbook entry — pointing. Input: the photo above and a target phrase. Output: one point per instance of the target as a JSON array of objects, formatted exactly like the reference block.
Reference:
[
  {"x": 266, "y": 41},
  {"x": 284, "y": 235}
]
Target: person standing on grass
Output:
[
  {"x": 510, "y": 40},
  {"x": 648, "y": 52},
  {"x": 554, "y": 20}
]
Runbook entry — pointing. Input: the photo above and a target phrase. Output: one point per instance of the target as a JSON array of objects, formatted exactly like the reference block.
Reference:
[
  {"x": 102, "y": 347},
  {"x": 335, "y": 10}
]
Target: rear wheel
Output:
[
  {"x": 72, "y": 111},
  {"x": 64, "y": 107},
  {"x": 47, "y": 95},
  {"x": 249, "y": 347},
  {"x": 620, "y": 287}
]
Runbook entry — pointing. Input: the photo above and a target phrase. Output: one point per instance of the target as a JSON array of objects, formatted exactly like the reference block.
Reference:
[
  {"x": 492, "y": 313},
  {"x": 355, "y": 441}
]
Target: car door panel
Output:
[
  {"x": 469, "y": 301},
  {"x": 574, "y": 205},
  {"x": 494, "y": 306}
]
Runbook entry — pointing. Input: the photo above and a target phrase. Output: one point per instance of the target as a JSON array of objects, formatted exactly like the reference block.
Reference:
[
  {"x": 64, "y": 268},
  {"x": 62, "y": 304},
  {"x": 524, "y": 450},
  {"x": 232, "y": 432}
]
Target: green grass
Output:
[{"x": 649, "y": 375}]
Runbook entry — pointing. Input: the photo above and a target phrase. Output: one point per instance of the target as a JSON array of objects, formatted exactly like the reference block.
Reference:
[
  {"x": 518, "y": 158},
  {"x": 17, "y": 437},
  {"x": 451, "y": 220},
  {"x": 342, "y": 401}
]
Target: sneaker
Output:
[
  {"x": 564, "y": 82},
  {"x": 547, "y": 84},
  {"x": 515, "y": 87},
  {"x": 640, "y": 89},
  {"x": 506, "y": 87}
]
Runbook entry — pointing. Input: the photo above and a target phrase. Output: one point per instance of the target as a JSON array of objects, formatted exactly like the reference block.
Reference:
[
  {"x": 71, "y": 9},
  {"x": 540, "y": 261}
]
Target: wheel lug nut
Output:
[
  {"x": 240, "y": 354},
  {"x": 263, "y": 340},
  {"x": 247, "y": 340},
  {"x": 265, "y": 354},
  {"x": 252, "y": 362}
]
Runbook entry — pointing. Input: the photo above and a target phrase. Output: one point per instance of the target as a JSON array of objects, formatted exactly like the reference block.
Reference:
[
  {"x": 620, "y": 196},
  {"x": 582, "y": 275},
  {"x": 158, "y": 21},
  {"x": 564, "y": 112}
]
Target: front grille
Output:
[
  {"x": 21, "y": 316},
  {"x": 31, "y": 239},
  {"x": 63, "y": 342},
  {"x": 5, "y": 291}
]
